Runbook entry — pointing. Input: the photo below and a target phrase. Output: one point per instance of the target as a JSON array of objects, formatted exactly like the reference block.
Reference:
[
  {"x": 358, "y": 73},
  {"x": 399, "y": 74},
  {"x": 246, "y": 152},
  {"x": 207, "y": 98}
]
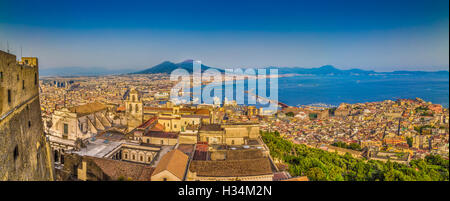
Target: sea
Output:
[{"x": 332, "y": 90}]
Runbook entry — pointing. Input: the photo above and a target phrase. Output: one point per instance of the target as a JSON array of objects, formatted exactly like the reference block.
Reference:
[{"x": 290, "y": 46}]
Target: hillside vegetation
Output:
[{"x": 321, "y": 165}]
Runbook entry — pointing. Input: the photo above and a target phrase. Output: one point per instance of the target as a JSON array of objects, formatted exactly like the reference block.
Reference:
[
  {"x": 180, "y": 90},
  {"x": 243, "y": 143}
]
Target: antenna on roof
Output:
[{"x": 21, "y": 52}]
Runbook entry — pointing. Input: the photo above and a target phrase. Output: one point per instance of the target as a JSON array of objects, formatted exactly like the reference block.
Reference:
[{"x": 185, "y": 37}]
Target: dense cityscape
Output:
[
  {"x": 393, "y": 130},
  {"x": 224, "y": 92}
]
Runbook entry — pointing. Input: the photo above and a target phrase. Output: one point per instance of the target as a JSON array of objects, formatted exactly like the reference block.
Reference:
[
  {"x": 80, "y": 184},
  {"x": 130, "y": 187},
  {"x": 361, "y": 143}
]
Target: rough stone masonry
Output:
[{"x": 24, "y": 153}]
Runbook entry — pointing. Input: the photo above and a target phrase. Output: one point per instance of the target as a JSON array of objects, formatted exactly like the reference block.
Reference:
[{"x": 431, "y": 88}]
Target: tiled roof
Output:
[
  {"x": 231, "y": 168},
  {"x": 202, "y": 112},
  {"x": 175, "y": 162},
  {"x": 161, "y": 134},
  {"x": 88, "y": 108},
  {"x": 211, "y": 127},
  {"x": 148, "y": 123},
  {"x": 157, "y": 127},
  {"x": 301, "y": 178},
  {"x": 116, "y": 169}
]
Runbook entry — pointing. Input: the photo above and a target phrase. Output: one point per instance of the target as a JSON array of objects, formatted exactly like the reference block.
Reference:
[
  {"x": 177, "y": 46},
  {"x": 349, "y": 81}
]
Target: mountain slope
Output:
[
  {"x": 168, "y": 67},
  {"x": 331, "y": 70}
]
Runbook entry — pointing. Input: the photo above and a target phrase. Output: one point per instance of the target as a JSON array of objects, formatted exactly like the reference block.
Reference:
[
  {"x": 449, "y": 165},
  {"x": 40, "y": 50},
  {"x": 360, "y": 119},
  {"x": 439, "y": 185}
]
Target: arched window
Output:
[
  {"x": 137, "y": 108},
  {"x": 131, "y": 108}
]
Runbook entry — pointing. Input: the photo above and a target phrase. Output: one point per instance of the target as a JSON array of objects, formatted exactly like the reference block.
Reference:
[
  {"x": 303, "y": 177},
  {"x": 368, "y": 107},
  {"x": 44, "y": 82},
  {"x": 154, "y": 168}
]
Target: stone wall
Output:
[{"x": 24, "y": 152}]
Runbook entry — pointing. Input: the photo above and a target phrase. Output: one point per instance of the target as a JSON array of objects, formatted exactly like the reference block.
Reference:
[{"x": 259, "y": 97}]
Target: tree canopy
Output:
[{"x": 320, "y": 165}]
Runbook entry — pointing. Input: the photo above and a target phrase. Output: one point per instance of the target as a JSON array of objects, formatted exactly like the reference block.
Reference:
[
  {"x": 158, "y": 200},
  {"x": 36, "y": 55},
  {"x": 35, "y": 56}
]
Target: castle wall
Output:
[{"x": 24, "y": 152}]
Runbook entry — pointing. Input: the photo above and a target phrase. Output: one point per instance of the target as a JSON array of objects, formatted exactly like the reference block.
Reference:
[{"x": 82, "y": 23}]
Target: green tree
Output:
[
  {"x": 322, "y": 165},
  {"x": 316, "y": 174},
  {"x": 409, "y": 140},
  {"x": 290, "y": 114}
]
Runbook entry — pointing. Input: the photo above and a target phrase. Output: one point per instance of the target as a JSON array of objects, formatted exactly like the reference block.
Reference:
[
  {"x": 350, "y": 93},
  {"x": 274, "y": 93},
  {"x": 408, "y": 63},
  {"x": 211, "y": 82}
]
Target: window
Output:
[
  {"x": 148, "y": 141},
  {"x": 134, "y": 157},
  {"x": 126, "y": 156},
  {"x": 1, "y": 76},
  {"x": 137, "y": 108},
  {"x": 232, "y": 141},
  {"x": 23, "y": 84},
  {"x": 149, "y": 159},
  {"x": 142, "y": 158},
  {"x": 9, "y": 95},
  {"x": 29, "y": 124},
  {"x": 162, "y": 141},
  {"x": 16, "y": 152},
  {"x": 35, "y": 79},
  {"x": 17, "y": 77},
  {"x": 66, "y": 129}
]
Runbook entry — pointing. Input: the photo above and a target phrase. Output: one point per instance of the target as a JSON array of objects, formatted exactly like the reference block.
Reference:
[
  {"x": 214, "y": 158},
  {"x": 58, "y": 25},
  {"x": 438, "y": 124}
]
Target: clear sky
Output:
[{"x": 368, "y": 34}]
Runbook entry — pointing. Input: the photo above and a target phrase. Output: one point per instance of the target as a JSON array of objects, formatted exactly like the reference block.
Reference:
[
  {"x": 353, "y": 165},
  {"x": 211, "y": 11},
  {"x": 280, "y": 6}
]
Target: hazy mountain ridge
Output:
[
  {"x": 168, "y": 67},
  {"x": 80, "y": 71},
  {"x": 328, "y": 69}
]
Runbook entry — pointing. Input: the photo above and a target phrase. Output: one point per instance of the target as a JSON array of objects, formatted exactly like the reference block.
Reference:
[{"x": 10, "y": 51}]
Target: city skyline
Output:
[
  {"x": 375, "y": 35},
  {"x": 224, "y": 90}
]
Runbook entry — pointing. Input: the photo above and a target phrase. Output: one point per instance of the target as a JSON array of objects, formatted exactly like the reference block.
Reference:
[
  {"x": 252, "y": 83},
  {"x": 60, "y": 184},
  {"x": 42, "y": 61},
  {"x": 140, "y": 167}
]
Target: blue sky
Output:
[{"x": 371, "y": 34}]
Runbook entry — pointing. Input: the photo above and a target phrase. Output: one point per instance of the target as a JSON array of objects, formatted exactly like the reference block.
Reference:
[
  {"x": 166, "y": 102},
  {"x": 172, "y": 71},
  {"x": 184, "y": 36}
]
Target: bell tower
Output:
[{"x": 134, "y": 109}]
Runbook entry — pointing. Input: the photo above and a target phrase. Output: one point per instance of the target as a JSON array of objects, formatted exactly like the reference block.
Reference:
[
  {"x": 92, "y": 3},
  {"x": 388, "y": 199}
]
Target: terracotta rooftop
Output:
[
  {"x": 211, "y": 127},
  {"x": 231, "y": 168},
  {"x": 278, "y": 176},
  {"x": 186, "y": 148},
  {"x": 167, "y": 109},
  {"x": 116, "y": 169},
  {"x": 148, "y": 123},
  {"x": 244, "y": 154},
  {"x": 88, "y": 108},
  {"x": 174, "y": 161},
  {"x": 161, "y": 134},
  {"x": 202, "y": 112},
  {"x": 157, "y": 127},
  {"x": 301, "y": 178}
]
